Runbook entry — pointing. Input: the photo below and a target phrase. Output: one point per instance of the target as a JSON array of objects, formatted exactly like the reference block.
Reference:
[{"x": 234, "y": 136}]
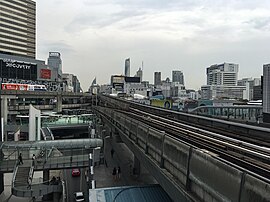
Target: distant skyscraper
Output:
[
  {"x": 157, "y": 78},
  {"x": 178, "y": 76},
  {"x": 139, "y": 73},
  {"x": 94, "y": 82},
  {"x": 55, "y": 62},
  {"x": 18, "y": 27},
  {"x": 127, "y": 67},
  {"x": 223, "y": 74},
  {"x": 266, "y": 88}
]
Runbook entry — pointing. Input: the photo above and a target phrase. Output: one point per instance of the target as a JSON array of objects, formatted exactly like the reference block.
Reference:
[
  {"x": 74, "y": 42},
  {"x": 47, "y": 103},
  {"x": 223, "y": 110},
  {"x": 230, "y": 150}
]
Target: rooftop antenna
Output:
[{"x": 142, "y": 65}]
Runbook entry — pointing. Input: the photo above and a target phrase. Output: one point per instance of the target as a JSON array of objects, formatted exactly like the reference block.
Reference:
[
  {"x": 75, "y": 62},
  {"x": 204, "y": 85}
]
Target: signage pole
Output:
[{"x": 2, "y": 134}]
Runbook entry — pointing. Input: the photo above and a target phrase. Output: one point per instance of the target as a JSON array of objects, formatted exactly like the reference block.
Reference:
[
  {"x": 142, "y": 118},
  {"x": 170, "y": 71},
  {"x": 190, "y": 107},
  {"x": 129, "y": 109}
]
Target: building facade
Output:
[
  {"x": 25, "y": 70},
  {"x": 55, "y": 63},
  {"x": 266, "y": 88},
  {"x": 18, "y": 28},
  {"x": 257, "y": 93},
  {"x": 222, "y": 92},
  {"x": 139, "y": 73},
  {"x": 222, "y": 74},
  {"x": 157, "y": 78},
  {"x": 250, "y": 84},
  {"x": 127, "y": 67},
  {"x": 178, "y": 76},
  {"x": 178, "y": 90}
]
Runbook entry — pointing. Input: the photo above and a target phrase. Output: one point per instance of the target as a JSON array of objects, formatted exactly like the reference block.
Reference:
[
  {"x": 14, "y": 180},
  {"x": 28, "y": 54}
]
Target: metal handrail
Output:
[
  {"x": 10, "y": 155},
  {"x": 15, "y": 172},
  {"x": 31, "y": 172},
  {"x": 43, "y": 134},
  {"x": 38, "y": 189}
]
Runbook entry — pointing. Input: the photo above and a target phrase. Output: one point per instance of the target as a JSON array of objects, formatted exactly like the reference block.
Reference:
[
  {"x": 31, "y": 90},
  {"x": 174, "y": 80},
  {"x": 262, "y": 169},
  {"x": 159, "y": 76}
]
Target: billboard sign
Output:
[
  {"x": 45, "y": 73},
  {"x": 13, "y": 69}
]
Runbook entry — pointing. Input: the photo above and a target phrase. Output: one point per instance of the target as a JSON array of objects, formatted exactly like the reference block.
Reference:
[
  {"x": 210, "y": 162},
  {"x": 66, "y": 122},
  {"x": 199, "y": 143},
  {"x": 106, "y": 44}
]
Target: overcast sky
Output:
[{"x": 95, "y": 37}]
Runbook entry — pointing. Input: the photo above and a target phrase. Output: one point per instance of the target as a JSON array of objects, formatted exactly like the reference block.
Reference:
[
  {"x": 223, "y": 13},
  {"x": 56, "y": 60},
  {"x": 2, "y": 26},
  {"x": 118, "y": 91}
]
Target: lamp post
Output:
[
  {"x": 1, "y": 140},
  {"x": 2, "y": 135}
]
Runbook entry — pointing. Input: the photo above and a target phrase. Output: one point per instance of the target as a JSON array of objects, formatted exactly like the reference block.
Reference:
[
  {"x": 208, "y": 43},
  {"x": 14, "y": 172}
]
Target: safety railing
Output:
[
  {"x": 68, "y": 159},
  {"x": 36, "y": 190},
  {"x": 14, "y": 173},
  {"x": 8, "y": 160},
  {"x": 68, "y": 119}
]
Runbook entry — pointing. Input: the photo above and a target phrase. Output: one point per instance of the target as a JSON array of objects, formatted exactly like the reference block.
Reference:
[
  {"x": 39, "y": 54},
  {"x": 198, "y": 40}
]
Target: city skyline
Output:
[{"x": 94, "y": 38}]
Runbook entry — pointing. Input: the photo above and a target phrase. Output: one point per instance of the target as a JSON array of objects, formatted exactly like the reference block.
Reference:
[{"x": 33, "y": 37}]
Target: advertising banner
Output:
[
  {"x": 45, "y": 73},
  {"x": 13, "y": 69}
]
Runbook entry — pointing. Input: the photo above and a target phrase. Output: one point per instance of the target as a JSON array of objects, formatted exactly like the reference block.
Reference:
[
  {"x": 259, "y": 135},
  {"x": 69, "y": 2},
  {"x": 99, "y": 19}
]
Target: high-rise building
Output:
[
  {"x": 250, "y": 84},
  {"x": 157, "y": 78},
  {"x": 178, "y": 76},
  {"x": 139, "y": 73},
  {"x": 223, "y": 74},
  {"x": 127, "y": 67},
  {"x": 55, "y": 62},
  {"x": 18, "y": 27},
  {"x": 266, "y": 88}
]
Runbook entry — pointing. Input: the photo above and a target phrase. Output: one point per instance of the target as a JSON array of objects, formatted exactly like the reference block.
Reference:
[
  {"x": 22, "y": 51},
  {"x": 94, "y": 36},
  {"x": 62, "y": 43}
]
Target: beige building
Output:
[{"x": 18, "y": 28}]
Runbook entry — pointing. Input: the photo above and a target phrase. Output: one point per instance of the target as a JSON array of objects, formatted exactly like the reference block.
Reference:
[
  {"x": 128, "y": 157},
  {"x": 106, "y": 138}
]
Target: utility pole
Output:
[
  {"x": 2, "y": 134},
  {"x": 1, "y": 140}
]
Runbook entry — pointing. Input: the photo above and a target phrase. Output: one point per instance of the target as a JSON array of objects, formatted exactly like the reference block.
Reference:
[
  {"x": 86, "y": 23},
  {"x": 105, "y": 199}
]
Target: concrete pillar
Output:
[
  {"x": 4, "y": 109},
  {"x": 58, "y": 106},
  {"x": 34, "y": 123},
  {"x": 1, "y": 174},
  {"x": 46, "y": 178},
  {"x": 46, "y": 175},
  {"x": 1, "y": 183},
  {"x": 136, "y": 166},
  {"x": 4, "y": 114}
]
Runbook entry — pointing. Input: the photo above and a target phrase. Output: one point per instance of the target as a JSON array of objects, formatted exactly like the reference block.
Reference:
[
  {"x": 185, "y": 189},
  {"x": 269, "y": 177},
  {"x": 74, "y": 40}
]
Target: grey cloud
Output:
[
  {"x": 86, "y": 20},
  {"x": 260, "y": 23},
  {"x": 159, "y": 5},
  {"x": 115, "y": 11},
  {"x": 60, "y": 46}
]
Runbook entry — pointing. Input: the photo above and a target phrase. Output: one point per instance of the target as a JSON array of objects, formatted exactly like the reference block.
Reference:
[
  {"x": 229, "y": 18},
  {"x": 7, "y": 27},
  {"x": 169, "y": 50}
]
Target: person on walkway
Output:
[
  {"x": 33, "y": 160},
  {"x": 112, "y": 152},
  {"x": 114, "y": 173},
  {"x": 118, "y": 172},
  {"x": 20, "y": 159}
]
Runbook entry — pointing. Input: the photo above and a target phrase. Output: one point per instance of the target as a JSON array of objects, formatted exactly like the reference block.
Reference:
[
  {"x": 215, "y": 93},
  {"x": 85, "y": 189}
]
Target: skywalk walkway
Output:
[
  {"x": 72, "y": 153},
  {"x": 50, "y": 154}
]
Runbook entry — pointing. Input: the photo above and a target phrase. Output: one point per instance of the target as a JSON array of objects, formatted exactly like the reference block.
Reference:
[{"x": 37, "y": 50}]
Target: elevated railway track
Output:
[
  {"x": 248, "y": 133},
  {"x": 247, "y": 155},
  {"x": 192, "y": 162},
  {"x": 243, "y": 145}
]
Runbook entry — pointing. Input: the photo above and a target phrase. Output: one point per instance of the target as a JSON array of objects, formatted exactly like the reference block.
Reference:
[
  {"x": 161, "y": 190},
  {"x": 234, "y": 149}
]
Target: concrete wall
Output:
[{"x": 34, "y": 124}]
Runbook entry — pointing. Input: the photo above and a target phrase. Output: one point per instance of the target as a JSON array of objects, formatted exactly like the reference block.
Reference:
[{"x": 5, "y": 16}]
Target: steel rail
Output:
[
  {"x": 261, "y": 152},
  {"x": 252, "y": 160}
]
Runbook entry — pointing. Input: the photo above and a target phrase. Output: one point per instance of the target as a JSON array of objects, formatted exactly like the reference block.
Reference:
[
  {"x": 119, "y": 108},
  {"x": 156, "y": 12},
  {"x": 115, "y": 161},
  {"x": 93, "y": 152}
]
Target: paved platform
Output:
[{"x": 122, "y": 157}]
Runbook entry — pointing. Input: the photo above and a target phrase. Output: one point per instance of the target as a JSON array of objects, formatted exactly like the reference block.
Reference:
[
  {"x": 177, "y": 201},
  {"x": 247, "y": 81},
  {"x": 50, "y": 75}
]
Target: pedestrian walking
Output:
[
  {"x": 118, "y": 172},
  {"x": 114, "y": 173},
  {"x": 112, "y": 152},
  {"x": 20, "y": 159},
  {"x": 33, "y": 160}
]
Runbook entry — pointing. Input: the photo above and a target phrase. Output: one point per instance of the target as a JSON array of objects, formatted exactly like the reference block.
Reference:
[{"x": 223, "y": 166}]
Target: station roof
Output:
[
  {"x": 59, "y": 144},
  {"x": 147, "y": 193}
]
